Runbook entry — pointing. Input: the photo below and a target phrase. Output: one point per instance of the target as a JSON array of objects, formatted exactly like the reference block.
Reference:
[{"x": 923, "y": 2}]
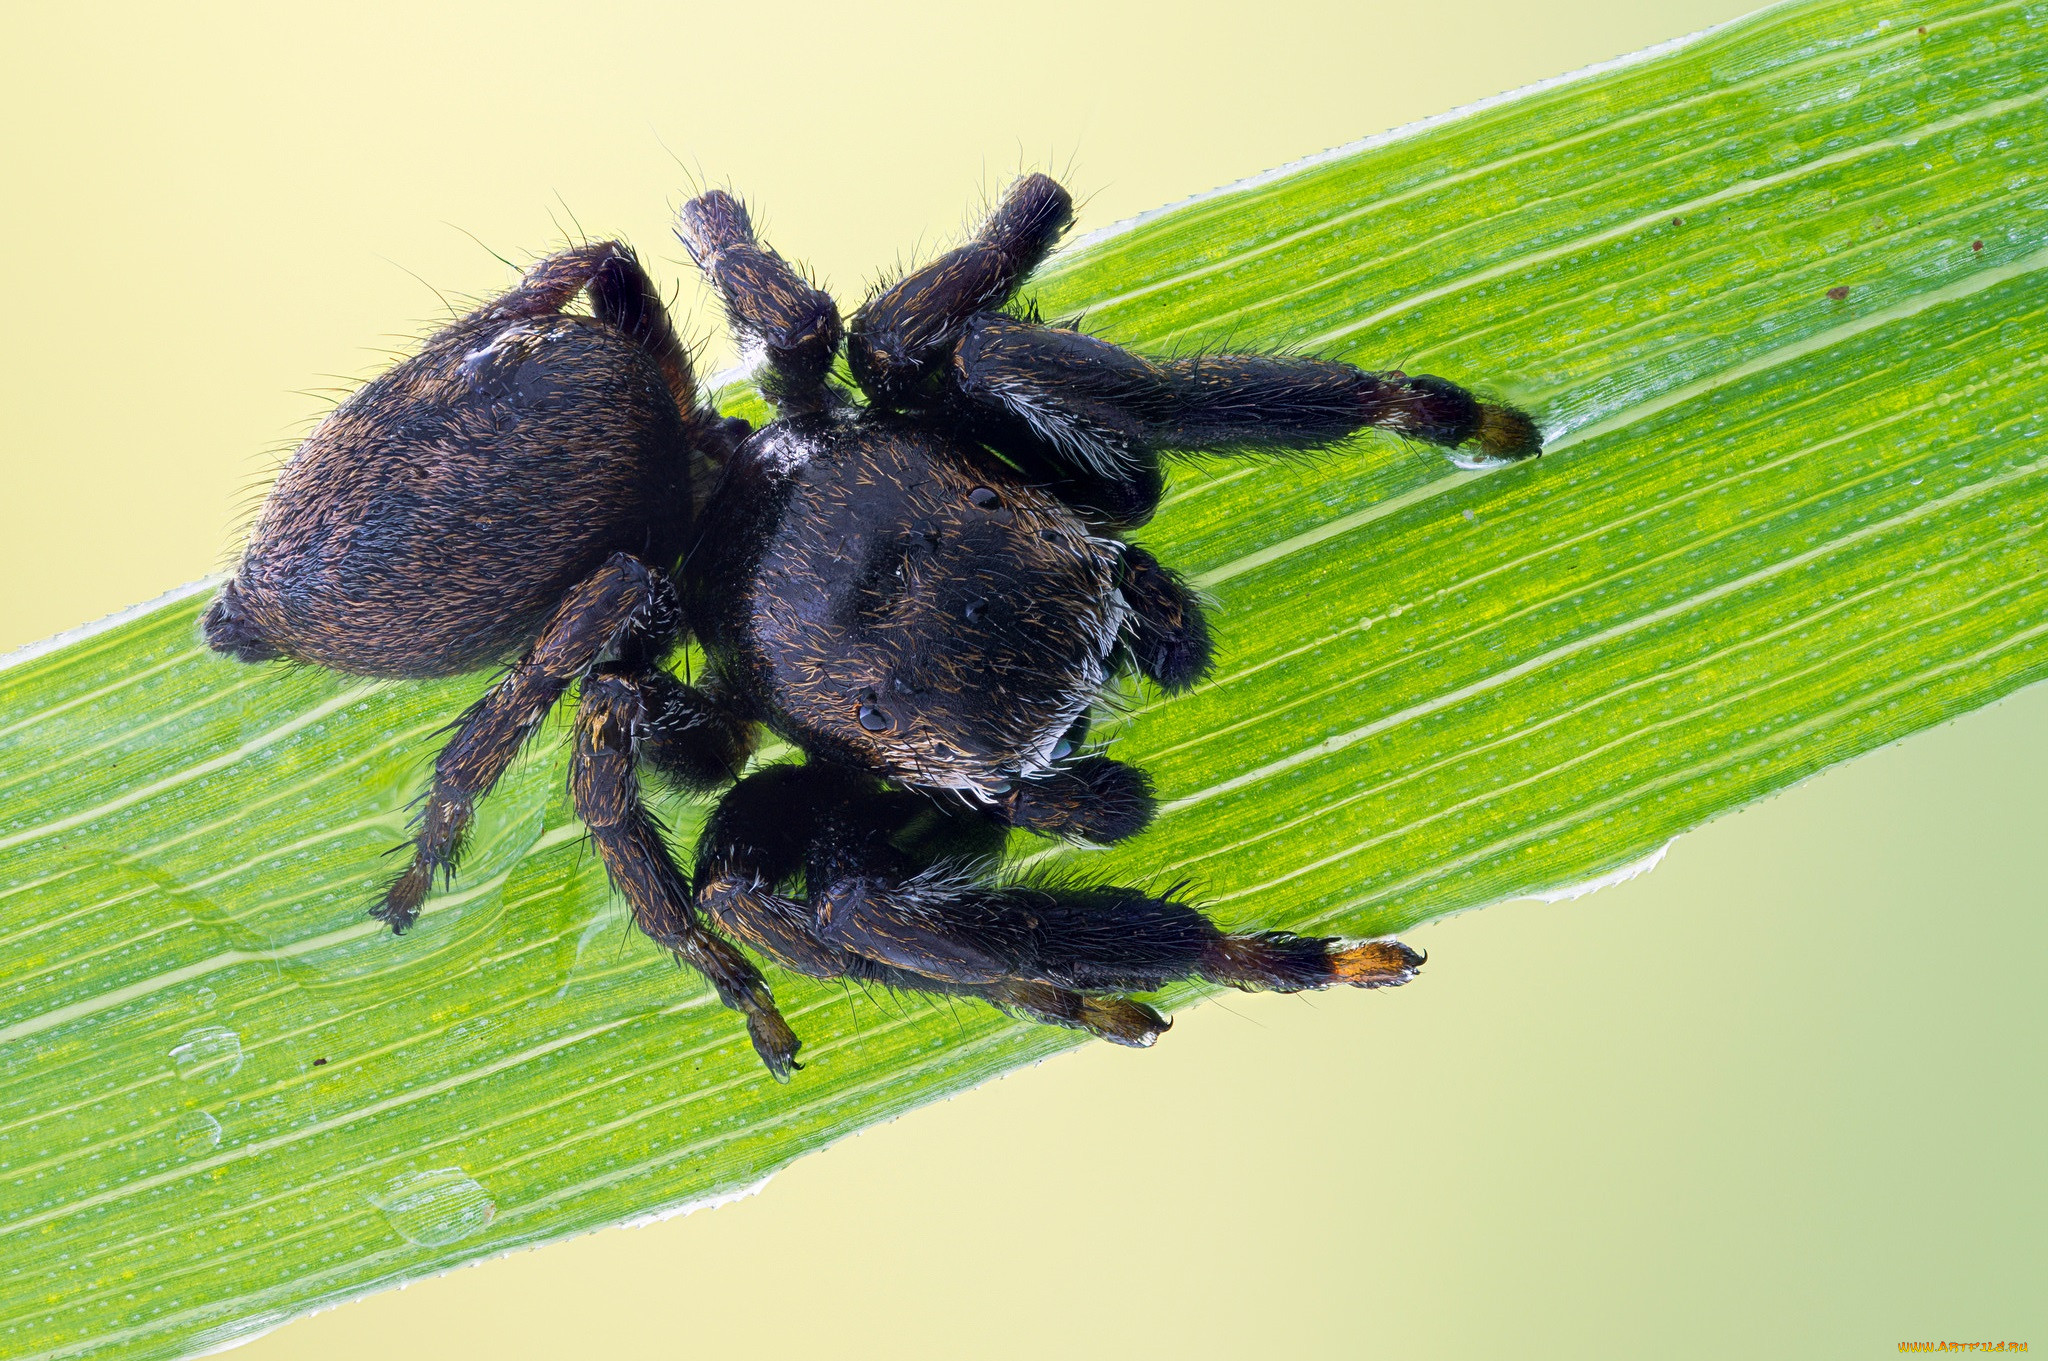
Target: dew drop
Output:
[
  {"x": 985, "y": 497},
  {"x": 211, "y": 1052},
  {"x": 875, "y": 720},
  {"x": 197, "y": 1133},
  {"x": 444, "y": 1205}
]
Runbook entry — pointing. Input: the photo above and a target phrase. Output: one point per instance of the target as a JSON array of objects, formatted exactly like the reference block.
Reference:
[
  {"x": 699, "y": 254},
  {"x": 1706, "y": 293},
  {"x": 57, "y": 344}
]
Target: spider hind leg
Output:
[{"x": 624, "y": 297}]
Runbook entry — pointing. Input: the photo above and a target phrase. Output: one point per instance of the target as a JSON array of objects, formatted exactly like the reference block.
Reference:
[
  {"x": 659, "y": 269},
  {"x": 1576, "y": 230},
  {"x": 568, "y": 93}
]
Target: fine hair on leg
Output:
[
  {"x": 768, "y": 302},
  {"x": 622, "y": 597},
  {"x": 902, "y": 333},
  {"x": 1168, "y": 634},
  {"x": 690, "y": 734},
  {"x": 622, "y": 296},
  {"x": 1102, "y": 408},
  {"x": 606, "y": 791}
]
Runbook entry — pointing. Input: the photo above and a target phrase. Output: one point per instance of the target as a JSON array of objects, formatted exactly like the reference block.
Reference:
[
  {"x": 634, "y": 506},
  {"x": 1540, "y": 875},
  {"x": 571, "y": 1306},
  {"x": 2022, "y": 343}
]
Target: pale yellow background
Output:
[{"x": 1782, "y": 1098}]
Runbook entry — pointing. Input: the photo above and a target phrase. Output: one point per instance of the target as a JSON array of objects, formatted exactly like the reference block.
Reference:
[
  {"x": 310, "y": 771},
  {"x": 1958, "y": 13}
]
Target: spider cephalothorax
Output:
[
  {"x": 902, "y": 602},
  {"x": 925, "y": 591}
]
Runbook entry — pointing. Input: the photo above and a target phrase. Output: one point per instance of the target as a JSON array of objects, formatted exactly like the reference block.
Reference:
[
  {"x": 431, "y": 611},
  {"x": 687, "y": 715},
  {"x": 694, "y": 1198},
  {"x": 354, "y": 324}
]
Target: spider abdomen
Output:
[
  {"x": 912, "y": 605},
  {"x": 436, "y": 517}
]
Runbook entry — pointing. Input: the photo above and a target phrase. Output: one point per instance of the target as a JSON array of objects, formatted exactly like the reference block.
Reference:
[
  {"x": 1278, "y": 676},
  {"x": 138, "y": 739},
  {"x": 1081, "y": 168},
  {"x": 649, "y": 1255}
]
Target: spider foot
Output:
[
  {"x": 775, "y": 1042},
  {"x": 1280, "y": 961},
  {"x": 1122, "y": 1021},
  {"x": 401, "y": 905},
  {"x": 1374, "y": 964},
  {"x": 740, "y": 986},
  {"x": 1505, "y": 436},
  {"x": 1116, "y": 1019}
]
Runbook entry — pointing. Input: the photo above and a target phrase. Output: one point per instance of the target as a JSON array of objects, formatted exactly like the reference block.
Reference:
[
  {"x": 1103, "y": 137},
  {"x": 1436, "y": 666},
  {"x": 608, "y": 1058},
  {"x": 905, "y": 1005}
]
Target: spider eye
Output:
[
  {"x": 875, "y": 720},
  {"x": 985, "y": 497},
  {"x": 974, "y": 609}
]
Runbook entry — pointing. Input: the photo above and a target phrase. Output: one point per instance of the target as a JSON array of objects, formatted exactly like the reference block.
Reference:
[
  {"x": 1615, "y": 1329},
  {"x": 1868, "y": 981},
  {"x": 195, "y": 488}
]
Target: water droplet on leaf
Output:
[
  {"x": 197, "y": 1133},
  {"x": 211, "y": 1052},
  {"x": 436, "y": 1207}
]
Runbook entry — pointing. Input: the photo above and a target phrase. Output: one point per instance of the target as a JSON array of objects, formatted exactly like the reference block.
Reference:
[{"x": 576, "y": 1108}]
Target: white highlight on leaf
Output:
[
  {"x": 1634, "y": 869},
  {"x": 690, "y": 1207}
]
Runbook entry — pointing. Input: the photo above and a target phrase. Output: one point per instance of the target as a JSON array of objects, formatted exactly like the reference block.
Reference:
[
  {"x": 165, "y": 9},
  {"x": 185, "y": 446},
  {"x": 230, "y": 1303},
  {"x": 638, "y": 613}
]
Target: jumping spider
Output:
[{"x": 924, "y": 592}]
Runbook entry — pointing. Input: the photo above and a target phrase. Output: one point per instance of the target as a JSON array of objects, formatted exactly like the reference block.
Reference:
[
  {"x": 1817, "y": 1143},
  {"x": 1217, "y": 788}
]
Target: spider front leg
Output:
[
  {"x": 877, "y": 910},
  {"x": 621, "y": 597},
  {"x": 1099, "y": 416},
  {"x": 617, "y": 710},
  {"x": 819, "y": 823},
  {"x": 945, "y": 925},
  {"x": 767, "y": 303},
  {"x": 1090, "y": 799},
  {"x": 1168, "y": 635}
]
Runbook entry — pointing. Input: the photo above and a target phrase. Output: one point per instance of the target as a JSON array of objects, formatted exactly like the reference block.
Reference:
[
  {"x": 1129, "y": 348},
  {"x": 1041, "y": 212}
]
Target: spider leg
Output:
[
  {"x": 606, "y": 790},
  {"x": 767, "y": 303},
  {"x": 1102, "y": 414},
  {"x": 876, "y": 911},
  {"x": 1168, "y": 635},
  {"x": 621, "y": 296},
  {"x": 759, "y": 841},
  {"x": 1091, "y": 799},
  {"x": 901, "y": 337},
  {"x": 624, "y": 596},
  {"x": 944, "y": 921},
  {"x": 755, "y": 844},
  {"x": 691, "y": 734},
  {"x": 946, "y": 925}
]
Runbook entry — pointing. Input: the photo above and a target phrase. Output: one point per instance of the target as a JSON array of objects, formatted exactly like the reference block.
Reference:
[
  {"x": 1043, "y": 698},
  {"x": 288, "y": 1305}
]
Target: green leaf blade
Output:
[{"x": 1776, "y": 529}]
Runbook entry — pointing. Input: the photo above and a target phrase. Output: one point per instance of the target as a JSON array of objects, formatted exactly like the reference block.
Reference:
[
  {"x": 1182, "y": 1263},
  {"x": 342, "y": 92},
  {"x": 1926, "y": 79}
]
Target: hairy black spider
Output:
[{"x": 924, "y": 592}]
